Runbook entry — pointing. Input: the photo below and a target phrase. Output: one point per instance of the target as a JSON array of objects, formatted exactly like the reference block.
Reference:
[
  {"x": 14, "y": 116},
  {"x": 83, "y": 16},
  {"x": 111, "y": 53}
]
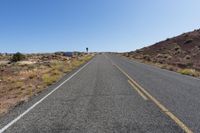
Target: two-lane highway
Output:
[
  {"x": 101, "y": 97},
  {"x": 180, "y": 94}
]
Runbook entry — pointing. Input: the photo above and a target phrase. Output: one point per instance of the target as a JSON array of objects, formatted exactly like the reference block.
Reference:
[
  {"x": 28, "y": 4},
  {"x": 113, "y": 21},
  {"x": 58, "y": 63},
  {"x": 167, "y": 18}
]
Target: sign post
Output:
[{"x": 87, "y": 50}]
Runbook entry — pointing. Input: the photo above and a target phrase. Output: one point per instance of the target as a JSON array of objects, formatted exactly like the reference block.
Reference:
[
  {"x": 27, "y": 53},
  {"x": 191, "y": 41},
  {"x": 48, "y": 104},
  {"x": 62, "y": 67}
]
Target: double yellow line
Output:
[
  {"x": 138, "y": 90},
  {"x": 146, "y": 95}
]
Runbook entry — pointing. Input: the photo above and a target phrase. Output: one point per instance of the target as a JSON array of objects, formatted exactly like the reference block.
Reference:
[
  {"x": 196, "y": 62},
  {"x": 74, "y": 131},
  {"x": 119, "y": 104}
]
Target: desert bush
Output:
[
  {"x": 147, "y": 57},
  {"x": 190, "y": 64},
  {"x": 166, "y": 56},
  {"x": 87, "y": 58},
  {"x": 32, "y": 75},
  {"x": 66, "y": 69},
  {"x": 159, "y": 56},
  {"x": 138, "y": 51},
  {"x": 176, "y": 48},
  {"x": 76, "y": 63},
  {"x": 169, "y": 57},
  {"x": 168, "y": 67},
  {"x": 188, "y": 41},
  {"x": 184, "y": 64},
  {"x": 126, "y": 54},
  {"x": 49, "y": 79},
  {"x": 178, "y": 51},
  {"x": 56, "y": 72},
  {"x": 161, "y": 61},
  {"x": 187, "y": 57},
  {"x": 19, "y": 84},
  {"x": 17, "y": 57},
  {"x": 57, "y": 65},
  {"x": 190, "y": 72}
]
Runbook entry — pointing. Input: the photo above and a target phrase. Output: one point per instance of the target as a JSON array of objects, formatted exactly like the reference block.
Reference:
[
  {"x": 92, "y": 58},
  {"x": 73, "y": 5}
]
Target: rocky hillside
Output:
[{"x": 182, "y": 51}]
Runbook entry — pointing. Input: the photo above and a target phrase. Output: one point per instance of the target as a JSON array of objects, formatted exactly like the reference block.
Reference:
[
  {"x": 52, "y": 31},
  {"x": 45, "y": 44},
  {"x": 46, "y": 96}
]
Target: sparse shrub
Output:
[
  {"x": 159, "y": 56},
  {"x": 17, "y": 57},
  {"x": 66, "y": 69},
  {"x": 163, "y": 56},
  {"x": 126, "y": 54},
  {"x": 190, "y": 64},
  {"x": 76, "y": 63},
  {"x": 176, "y": 48},
  {"x": 49, "y": 79},
  {"x": 169, "y": 57},
  {"x": 32, "y": 75},
  {"x": 187, "y": 57},
  {"x": 147, "y": 57},
  {"x": 57, "y": 65},
  {"x": 168, "y": 67},
  {"x": 177, "y": 51},
  {"x": 137, "y": 51},
  {"x": 161, "y": 61},
  {"x": 87, "y": 58},
  {"x": 172, "y": 68},
  {"x": 190, "y": 72},
  {"x": 56, "y": 72},
  {"x": 188, "y": 41},
  {"x": 181, "y": 64},
  {"x": 19, "y": 84}
]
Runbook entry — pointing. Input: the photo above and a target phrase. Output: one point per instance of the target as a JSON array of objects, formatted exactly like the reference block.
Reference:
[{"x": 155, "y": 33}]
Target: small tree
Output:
[{"x": 17, "y": 57}]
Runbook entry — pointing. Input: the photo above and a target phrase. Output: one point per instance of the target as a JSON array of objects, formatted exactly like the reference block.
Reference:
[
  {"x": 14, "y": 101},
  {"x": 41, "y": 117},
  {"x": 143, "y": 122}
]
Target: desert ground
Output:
[{"x": 21, "y": 80}]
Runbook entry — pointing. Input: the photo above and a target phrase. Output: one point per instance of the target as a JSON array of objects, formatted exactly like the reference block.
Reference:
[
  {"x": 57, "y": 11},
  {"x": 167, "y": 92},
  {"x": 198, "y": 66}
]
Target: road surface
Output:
[{"x": 112, "y": 94}]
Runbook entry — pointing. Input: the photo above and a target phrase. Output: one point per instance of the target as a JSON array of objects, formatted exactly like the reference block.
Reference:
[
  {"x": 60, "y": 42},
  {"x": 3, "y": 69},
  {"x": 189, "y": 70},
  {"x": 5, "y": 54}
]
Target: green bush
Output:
[{"x": 17, "y": 57}]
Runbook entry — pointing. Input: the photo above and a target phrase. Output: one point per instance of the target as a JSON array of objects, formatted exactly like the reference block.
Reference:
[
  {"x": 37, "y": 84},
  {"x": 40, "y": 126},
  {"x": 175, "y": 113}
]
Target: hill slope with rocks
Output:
[{"x": 177, "y": 53}]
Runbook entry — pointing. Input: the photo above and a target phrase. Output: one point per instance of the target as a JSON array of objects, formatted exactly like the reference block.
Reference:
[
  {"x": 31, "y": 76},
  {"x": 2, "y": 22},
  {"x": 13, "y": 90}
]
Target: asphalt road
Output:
[{"x": 101, "y": 98}]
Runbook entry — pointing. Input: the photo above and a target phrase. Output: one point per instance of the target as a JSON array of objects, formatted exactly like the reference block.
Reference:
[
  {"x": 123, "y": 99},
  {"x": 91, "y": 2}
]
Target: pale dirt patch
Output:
[
  {"x": 26, "y": 62},
  {"x": 4, "y": 62}
]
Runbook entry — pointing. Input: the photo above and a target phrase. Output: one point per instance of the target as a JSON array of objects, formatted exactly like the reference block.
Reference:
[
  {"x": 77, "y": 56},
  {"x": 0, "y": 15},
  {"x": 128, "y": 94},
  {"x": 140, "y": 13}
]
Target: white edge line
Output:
[{"x": 34, "y": 105}]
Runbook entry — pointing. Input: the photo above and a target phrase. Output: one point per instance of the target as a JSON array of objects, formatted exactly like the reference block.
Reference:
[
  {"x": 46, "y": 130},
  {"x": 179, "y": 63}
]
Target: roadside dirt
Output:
[{"x": 21, "y": 80}]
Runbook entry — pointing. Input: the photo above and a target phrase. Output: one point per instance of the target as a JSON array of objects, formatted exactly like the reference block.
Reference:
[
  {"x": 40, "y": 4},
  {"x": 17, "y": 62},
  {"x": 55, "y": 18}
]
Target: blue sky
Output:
[{"x": 102, "y": 25}]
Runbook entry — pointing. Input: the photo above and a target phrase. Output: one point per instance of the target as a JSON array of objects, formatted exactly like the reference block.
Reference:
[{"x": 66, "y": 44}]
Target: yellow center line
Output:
[
  {"x": 139, "y": 92},
  {"x": 156, "y": 102}
]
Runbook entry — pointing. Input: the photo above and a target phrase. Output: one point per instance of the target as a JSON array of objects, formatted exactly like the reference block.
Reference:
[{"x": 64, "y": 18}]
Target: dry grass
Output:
[
  {"x": 50, "y": 79},
  {"x": 20, "y": 82},
  {"x": 190, "y": 72},
  {"x": 186, "y": 71}
]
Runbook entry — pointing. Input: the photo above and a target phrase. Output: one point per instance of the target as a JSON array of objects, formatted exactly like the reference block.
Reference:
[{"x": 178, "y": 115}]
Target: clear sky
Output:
[{"x": 102, "y": 25}]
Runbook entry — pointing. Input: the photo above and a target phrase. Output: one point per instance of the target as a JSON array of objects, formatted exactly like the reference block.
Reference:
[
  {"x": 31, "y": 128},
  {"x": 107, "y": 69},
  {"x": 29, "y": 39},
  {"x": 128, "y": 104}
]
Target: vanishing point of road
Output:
[{"x": 111, "y": 94}]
